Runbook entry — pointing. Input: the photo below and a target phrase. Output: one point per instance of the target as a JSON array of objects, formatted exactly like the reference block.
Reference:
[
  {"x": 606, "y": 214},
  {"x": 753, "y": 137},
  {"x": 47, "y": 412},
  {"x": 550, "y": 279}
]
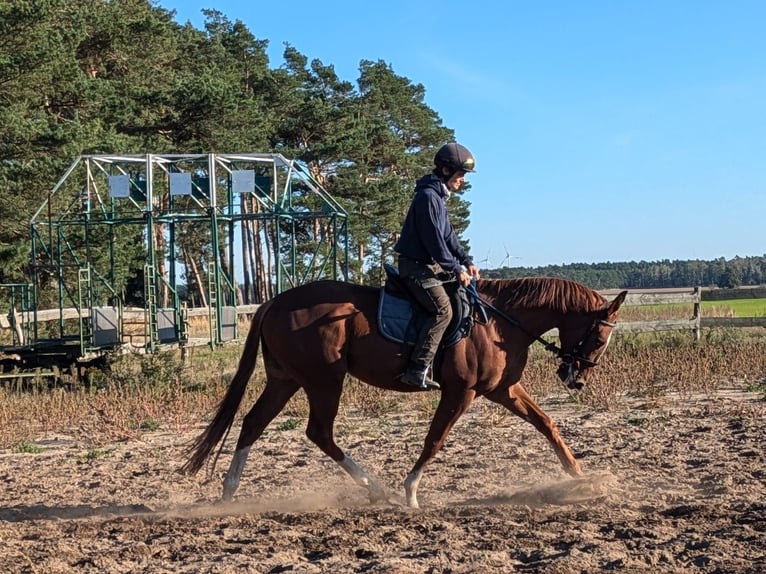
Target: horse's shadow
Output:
[{"x": 80, "y": 511}]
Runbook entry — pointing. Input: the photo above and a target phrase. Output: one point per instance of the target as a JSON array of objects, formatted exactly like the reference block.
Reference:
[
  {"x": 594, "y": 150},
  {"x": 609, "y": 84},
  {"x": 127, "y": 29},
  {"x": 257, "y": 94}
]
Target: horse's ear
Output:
[{"x": 616, "y": 303}]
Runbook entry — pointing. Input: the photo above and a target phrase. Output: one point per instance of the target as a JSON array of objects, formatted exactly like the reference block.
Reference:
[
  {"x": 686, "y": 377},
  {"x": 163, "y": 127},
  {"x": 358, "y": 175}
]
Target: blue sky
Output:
[{"x": 602, "y": 130}]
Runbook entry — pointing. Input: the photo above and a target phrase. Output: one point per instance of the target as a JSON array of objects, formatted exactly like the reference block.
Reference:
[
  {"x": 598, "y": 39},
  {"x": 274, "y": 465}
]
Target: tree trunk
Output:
[
  {"x": 162, "y": 270},
  {"x": 15, "y": 322},
  {"x": 268, "y": 270},
  {"x": 246, "y": 246},
  {"x": 223, "y": 258},
  {"x": 197, "y": 279}
]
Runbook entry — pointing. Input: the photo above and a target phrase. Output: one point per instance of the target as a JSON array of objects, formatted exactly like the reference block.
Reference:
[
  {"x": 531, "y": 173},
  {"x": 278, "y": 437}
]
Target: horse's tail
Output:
[{"x": 204, "y": 444}]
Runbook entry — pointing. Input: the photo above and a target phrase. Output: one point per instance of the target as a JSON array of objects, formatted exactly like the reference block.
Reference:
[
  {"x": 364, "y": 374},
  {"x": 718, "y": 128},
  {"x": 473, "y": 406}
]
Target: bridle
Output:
[{"x": 576, "y": 354}]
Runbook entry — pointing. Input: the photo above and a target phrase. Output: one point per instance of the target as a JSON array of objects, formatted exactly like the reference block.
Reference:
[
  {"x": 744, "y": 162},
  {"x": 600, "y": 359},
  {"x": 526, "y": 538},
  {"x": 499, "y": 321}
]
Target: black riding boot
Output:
[{"x": 416, "y": 377}]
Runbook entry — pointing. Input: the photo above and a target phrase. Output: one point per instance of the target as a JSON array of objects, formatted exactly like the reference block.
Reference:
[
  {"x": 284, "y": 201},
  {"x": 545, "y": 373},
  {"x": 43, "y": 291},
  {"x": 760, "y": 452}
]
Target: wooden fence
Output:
[{"x": 693, "y": 297}]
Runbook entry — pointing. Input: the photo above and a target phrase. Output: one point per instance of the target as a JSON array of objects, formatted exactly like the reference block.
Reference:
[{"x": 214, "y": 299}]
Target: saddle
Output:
[{"x": 400, "y": 317}]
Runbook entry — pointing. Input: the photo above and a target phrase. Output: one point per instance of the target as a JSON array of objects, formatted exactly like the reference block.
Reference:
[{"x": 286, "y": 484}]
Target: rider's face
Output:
[{"x": 456, "y": 181}]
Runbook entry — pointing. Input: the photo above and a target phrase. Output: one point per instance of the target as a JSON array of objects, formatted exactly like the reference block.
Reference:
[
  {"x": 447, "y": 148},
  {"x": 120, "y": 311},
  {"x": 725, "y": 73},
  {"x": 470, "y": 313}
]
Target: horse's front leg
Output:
[
  {"x": 451, "y": 408},
  {"x": 517, "y": 400}
]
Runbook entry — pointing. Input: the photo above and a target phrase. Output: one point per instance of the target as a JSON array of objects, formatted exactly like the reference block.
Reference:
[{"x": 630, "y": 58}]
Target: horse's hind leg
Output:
[
  {"x": 517, "y": 400},
  {"x": 323, "y": 408},
  {"x": 271, "y": 402}
]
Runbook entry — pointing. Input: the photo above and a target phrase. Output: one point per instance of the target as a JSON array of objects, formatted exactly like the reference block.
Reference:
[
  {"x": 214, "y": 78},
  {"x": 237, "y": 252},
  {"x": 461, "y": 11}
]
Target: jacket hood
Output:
[{"x": 432, "y": 180}]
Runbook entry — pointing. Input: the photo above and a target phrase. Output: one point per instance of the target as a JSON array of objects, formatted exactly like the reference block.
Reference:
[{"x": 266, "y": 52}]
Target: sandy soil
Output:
[{"x": 678, "y": 486}]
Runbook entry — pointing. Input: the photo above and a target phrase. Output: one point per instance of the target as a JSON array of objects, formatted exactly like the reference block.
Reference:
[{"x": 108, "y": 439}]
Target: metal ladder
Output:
[
  {"x": 84, "y": 303},
  {"x": 212, "y": 289},
  {"x": 151, "y": 332}
]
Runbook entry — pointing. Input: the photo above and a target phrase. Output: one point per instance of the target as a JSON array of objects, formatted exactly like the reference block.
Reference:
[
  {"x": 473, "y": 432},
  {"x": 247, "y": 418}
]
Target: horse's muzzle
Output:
[
  {"x": 576, "y": 384},
  {"x": 571, "y": 376}
]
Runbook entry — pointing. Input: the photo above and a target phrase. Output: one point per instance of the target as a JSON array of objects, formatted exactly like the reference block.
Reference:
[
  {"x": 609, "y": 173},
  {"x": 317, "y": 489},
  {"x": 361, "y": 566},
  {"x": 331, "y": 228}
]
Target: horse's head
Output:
[{"x": 583, "y": 343}]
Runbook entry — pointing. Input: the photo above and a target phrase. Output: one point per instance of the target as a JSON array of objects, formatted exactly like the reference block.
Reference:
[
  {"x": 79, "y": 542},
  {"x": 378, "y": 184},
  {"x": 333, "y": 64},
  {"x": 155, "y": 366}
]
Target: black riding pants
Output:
[{"x": 426, "y": 286}]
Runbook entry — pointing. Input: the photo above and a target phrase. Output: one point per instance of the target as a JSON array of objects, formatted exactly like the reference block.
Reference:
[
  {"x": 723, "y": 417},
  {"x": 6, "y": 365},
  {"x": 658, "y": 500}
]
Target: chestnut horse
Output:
[{"x": 313, "y": 335}]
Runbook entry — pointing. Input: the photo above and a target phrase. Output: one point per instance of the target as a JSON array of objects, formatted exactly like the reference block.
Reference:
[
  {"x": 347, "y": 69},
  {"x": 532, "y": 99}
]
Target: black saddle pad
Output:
[{"x": 400, "y": 318}]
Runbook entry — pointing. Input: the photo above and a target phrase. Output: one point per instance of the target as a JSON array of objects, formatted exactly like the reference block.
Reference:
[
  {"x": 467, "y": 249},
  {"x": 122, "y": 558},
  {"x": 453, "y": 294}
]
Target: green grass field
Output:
[
  {"x": 740, "y": 307},
  {"x": 723, "y": 308}
]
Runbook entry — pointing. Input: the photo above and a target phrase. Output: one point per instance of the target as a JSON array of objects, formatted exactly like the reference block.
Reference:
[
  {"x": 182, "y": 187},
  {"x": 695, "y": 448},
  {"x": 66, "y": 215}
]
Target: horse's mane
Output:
[{"x": 552, "y": 293}]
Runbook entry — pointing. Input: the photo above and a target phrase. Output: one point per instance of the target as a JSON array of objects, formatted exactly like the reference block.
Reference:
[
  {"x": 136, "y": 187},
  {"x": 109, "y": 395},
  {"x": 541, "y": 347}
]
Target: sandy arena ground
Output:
[{"x": 678, "y": 486}]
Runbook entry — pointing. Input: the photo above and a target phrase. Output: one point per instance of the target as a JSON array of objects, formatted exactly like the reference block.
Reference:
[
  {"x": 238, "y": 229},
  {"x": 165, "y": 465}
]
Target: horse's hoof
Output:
[
  {"x": 380, "y": 494},
  {"x": 227, "y": 495}
]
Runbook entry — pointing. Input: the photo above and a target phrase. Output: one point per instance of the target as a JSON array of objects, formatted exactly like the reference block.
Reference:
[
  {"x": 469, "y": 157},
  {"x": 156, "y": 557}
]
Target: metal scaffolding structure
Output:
[{"x": 113, "y": 222}]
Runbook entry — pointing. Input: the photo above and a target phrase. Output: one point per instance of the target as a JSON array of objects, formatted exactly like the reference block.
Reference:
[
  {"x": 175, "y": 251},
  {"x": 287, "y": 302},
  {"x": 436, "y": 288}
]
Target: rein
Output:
[{"x": 484, "y": 304}]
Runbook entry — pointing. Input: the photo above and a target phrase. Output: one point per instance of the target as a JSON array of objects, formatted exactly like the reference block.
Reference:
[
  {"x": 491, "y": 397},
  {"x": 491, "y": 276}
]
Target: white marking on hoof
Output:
[
  {"x": 355, "y": 471},
  {"x": 231, "y": 481},
  {"x": 411, "y": 488}
]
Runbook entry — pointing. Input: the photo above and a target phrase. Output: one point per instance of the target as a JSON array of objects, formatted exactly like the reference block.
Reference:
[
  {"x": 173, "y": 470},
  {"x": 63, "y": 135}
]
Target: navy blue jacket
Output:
[{"x": 427, "y": 234}]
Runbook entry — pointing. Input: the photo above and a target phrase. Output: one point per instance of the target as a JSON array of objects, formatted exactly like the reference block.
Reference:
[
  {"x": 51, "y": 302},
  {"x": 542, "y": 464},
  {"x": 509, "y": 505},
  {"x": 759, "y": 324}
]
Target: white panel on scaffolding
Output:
[
  {"x": 243, "y": 181},
  {"x": 166, "y": 326},
  {"x": 105, "y": 326},
  {"x": 180, "y": 183},
  {"x": 119, "y": 186},
  {"x": 228, "y": 323}
]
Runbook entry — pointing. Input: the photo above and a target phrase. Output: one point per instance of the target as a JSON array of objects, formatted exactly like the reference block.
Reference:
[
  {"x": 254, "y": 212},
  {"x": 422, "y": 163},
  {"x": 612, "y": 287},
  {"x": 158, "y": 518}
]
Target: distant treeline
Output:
[{"x": 719, "y": 272}]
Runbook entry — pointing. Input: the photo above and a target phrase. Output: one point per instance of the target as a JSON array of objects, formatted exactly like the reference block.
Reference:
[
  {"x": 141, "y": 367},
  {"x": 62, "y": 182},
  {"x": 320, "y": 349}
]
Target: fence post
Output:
[{"x": 697, "y": 314}]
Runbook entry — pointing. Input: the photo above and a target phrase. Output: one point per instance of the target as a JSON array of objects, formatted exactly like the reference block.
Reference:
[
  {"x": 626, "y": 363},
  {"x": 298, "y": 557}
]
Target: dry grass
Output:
[
  {"x": 149, "y": 392},
  {"x": 656, "y": 366}
]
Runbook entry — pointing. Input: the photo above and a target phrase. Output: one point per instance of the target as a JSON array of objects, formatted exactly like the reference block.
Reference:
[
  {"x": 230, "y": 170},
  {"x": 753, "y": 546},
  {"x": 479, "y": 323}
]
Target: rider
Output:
[{"x": 430, "y": 254}]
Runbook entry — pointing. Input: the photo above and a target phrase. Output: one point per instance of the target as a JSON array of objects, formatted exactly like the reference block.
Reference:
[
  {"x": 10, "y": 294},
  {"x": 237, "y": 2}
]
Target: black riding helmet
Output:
[{"x": 454, "y": 157}]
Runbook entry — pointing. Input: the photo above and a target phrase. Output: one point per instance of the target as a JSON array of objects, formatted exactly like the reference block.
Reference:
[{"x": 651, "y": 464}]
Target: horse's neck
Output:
[
  {"x": 534, "y": 321},
  {"x": 537, "y": 321},
  {"x": 535, "y": 304}
]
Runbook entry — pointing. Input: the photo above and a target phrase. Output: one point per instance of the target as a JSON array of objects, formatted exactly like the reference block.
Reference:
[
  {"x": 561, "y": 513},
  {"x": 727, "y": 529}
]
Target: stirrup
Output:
[{"x": 419, "y": 380}]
